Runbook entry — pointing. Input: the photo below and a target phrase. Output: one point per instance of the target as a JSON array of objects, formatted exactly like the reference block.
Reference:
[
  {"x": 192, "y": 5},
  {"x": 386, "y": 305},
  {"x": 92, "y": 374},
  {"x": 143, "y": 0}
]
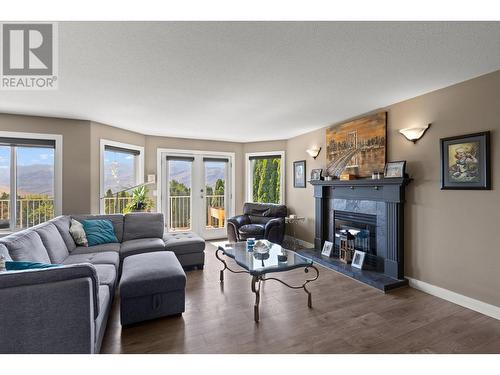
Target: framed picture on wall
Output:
[
  {"x": 299, "y": 174},
  {"x": 465, "y": 162}
]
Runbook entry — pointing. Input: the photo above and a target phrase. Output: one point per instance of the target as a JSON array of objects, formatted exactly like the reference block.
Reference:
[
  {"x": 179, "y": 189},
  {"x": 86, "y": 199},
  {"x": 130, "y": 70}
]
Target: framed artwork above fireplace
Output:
[{"x": 357, "y": 147}]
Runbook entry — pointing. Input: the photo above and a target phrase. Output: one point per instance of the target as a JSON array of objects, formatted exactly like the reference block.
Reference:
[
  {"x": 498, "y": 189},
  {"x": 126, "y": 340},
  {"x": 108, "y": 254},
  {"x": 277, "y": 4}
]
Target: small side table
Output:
[{"x": 293, "y": 221}]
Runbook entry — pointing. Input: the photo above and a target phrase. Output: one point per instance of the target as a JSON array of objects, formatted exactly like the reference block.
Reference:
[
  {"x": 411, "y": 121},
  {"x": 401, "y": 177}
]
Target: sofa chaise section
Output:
[{"x": 188, "y": 247}]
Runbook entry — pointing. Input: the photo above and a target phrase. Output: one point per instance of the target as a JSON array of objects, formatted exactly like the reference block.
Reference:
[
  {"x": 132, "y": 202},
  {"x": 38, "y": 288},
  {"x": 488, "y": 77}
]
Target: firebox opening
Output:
[{"x": 362, "y": 226}]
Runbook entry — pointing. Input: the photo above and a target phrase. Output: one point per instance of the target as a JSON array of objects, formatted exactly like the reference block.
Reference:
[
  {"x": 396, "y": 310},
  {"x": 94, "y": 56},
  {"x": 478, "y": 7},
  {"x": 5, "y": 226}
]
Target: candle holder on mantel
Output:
[{"x": 346, "y": 249}]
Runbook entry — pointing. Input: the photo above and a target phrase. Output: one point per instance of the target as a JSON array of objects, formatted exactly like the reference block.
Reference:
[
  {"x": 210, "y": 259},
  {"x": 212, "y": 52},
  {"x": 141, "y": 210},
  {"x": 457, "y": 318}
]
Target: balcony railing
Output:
[
  {"x": 29, "y": 212},
  {"x": 180, "y": 212},
  {"x": 116, "y": 205},
  {"x": 34, "y": 211}
]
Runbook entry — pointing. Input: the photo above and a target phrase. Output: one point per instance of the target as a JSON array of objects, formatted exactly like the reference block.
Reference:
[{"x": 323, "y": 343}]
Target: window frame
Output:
[
  {"x": 249, "y": 176},
  {"x": 58, "y": 171},
  {"x": 139, "y": 166}
]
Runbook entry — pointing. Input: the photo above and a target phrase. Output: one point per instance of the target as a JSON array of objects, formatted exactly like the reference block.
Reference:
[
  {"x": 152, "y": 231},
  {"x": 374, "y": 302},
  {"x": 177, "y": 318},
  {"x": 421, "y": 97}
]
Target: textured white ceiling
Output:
[{"x": 251, "y": 81}]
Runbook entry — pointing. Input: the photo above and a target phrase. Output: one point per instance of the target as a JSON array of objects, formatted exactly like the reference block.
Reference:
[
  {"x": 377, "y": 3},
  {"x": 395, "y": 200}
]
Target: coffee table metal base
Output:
[{"x": 258, "y": 279}]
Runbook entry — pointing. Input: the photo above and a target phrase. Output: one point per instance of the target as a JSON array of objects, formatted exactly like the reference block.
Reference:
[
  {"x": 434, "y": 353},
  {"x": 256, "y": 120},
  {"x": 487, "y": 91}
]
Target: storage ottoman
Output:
[
  {"x": 152, "y": 286},
  {"x": 188, "y": 247}
]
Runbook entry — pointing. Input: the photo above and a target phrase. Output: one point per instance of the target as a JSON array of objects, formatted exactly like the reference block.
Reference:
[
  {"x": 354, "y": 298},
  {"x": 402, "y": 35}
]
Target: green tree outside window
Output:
[{"x": 266, "y": 180}]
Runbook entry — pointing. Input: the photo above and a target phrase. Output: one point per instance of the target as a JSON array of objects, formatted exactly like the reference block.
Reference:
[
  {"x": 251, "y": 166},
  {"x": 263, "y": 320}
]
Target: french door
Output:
[{"x": 197, "y": 193}]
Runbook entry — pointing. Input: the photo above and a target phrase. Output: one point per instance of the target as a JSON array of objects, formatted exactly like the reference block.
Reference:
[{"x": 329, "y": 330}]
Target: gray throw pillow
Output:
[{"x": 78, "y": 234}]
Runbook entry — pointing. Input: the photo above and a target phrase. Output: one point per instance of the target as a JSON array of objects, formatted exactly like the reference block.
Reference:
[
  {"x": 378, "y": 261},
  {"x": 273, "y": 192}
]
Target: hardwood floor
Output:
[{"x": 347, "y": 317}]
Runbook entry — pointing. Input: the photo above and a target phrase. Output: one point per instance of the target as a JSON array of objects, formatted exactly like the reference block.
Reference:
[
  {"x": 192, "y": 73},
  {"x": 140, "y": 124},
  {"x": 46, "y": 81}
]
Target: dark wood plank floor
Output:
[{"x": 347, "y": 317}]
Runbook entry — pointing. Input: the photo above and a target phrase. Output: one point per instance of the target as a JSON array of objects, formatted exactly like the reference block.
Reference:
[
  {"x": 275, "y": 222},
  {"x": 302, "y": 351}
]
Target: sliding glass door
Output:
[{"x": 197, "y": 193}]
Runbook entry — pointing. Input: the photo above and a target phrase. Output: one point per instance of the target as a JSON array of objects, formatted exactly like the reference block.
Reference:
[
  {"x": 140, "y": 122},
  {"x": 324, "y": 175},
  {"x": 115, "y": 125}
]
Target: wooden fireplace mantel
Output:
[
  {"x": 387, "y": 190},
  {"x": 363, "y": 182}
]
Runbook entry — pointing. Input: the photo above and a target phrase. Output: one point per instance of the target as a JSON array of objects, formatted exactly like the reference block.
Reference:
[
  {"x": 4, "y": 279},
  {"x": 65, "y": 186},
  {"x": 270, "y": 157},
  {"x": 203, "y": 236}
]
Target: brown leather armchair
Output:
[{"x": 260, "y": 221}]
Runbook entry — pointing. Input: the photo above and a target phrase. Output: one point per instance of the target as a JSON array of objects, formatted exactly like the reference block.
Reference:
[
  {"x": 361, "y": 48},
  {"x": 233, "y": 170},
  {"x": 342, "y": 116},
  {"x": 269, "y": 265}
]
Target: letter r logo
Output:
[{"x": 27, "y": 49}]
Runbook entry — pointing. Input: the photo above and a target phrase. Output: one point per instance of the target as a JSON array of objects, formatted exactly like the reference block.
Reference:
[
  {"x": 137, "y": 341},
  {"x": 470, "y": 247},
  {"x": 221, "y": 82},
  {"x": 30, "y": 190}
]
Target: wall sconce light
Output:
[
  {"x": 414, "y": 134},
  {"x": 314, "y": 152}
]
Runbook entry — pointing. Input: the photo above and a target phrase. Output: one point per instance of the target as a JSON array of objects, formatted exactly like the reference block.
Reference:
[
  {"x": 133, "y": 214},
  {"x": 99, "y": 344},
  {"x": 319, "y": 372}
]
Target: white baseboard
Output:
[
  {"x": 459, "y": 299},
  {"x": 303, "y": 244}
]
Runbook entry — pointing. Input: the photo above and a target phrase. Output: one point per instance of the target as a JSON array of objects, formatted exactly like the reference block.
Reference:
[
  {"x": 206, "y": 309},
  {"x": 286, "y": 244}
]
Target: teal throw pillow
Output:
[
  {"x": 19, "y": 266},
  {"x": 99, "y": 232}
]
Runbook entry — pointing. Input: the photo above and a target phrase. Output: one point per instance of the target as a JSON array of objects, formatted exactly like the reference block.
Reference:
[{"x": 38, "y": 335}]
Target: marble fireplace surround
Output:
[{"x": 383, "y": 198}]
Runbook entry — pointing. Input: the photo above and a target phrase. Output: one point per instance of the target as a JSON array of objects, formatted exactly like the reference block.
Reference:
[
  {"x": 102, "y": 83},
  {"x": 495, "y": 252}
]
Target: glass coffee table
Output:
[{"x": 259, "y": 265}]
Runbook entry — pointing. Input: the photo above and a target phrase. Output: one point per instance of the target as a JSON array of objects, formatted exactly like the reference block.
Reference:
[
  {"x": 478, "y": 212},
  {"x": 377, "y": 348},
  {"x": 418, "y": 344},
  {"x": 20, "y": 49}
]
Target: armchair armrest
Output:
[
  {"x": 50, "y": 310},
  {"x": 275, "y": 230},
  {"x": 239, "y": 220},
  {"x": 233, "y": 223}
]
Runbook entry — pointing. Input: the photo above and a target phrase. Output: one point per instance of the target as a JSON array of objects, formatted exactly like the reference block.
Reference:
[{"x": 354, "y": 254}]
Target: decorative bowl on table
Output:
[{"x": 262, "y": 247}]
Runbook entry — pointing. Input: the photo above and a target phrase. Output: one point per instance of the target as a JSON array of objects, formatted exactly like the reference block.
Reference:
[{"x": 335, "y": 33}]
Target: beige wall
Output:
[
  {"x": 265, "y": 146},
  {"x": 76, "y": 152},
  {"x": 300, "y": 201},
  {"x": 450, "y": 235}
]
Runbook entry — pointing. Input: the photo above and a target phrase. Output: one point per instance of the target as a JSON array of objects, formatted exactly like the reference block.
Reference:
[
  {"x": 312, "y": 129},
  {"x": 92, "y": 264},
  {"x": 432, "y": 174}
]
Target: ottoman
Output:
[
  {"x": 152, "y": 286},
  {"x": 188, "y": 247}
]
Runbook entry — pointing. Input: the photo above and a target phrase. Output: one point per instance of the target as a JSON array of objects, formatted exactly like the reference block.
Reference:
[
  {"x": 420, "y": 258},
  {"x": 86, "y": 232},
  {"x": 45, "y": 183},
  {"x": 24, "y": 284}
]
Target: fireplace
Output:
[
  {"x": 362, "y": 226},
  {"x": 372, "y": 211}
]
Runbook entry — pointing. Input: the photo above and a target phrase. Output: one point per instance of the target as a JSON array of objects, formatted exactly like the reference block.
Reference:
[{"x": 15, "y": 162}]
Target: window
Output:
[
  {"x": 265, "y": 177},
  {"x": 29, "y": 180},
  {"x": 122, "y": 168}
]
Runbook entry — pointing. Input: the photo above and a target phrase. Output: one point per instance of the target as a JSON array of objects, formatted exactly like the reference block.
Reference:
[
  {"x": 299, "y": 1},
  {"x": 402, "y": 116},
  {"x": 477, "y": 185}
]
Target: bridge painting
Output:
[{"x": 358, "y": 146}]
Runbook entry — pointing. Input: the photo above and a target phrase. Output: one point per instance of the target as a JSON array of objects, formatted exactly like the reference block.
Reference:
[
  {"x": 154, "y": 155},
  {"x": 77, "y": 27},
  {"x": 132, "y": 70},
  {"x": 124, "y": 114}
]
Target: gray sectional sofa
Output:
[{"x": 65, "y": 309}]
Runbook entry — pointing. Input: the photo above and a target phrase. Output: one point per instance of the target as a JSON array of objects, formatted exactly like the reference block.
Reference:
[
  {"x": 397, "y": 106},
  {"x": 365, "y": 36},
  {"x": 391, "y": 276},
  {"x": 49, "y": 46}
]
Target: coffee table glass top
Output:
[{"x": 258, "y": 264}]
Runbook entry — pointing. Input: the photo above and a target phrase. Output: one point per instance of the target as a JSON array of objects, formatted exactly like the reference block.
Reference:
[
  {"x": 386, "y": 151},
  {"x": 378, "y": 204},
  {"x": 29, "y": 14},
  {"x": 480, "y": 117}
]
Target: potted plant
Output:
[{"x": 140, "y": 201}]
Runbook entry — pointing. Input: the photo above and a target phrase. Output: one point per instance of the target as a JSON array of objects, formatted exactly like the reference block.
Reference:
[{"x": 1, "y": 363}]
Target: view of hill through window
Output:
[{"x": 34, "y": 168}]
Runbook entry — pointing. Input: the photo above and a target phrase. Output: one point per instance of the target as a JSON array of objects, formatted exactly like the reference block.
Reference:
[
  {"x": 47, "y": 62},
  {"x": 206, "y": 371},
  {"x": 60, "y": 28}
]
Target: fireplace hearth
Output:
[{"x": 371, "y": 210}]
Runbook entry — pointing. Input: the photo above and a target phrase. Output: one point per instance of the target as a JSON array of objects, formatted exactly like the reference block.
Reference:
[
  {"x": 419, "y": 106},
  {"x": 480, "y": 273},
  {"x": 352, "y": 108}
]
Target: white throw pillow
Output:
[{"x": 78, "y": 234}]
